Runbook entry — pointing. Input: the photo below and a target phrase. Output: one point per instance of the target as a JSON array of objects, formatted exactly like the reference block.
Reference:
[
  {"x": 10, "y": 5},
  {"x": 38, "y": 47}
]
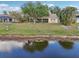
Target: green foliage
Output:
[
  {"x": 66, "y": 44},
  {"x": 36, "y": 46},
  {"x": 35, "y": 10},
  {"x": 41, "y": 10},
  {"x": 56, "y": 10},
  {"x": 68, "y": 15},
  {"x": 18, "y": 16}
]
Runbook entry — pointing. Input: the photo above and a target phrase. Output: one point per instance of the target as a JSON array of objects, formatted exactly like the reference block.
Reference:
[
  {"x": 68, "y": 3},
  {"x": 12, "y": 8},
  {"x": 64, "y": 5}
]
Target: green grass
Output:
[{"x": 36, "y": 29}]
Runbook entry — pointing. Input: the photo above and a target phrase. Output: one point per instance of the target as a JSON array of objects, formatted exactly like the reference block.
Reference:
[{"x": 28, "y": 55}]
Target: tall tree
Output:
[
  {"x": 55, "y": 10},
  {"x": 35, "y": 10},
  {"x": 30, "y": 10},
  {"x": 68, "y": 15},
  {"x": 17, "y": 15}
]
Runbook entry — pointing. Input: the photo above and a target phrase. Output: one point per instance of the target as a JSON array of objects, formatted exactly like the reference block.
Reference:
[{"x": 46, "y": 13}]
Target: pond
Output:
[{"x": 36, "y": 49}]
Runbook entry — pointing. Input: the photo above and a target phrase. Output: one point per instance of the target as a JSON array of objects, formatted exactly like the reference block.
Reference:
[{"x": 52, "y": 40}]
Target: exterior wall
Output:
[
  {"x": 15, "y": 20},
  {"x": 52, "y": 20},
  {"x": 77, "y": 20}
]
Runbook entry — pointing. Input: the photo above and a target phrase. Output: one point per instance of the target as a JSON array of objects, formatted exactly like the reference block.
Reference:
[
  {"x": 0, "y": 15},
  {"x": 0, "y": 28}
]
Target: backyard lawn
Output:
[{"x": 36, "y": 29}]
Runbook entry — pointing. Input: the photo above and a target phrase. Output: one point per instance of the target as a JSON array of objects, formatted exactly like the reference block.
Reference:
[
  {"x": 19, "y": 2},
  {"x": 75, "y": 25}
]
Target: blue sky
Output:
[
  {"x": 63, "y": 4},
  {"x": 15, "y": 5}
]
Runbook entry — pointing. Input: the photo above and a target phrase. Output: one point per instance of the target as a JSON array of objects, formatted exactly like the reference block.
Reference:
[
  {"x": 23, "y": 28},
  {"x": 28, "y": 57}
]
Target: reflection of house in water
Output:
[{"x": 5, "y": 18}]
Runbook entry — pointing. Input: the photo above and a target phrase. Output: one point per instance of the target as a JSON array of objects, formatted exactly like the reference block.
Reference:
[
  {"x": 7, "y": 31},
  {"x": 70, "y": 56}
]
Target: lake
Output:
[{"x": 46, "y": 49}]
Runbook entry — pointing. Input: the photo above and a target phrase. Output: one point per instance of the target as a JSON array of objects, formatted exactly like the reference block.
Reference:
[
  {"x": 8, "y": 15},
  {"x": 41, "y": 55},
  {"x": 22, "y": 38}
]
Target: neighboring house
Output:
[{"x": 5, "y": 18}]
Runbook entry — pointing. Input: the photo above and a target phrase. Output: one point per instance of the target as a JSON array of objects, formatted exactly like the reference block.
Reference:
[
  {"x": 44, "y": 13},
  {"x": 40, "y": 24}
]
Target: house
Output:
[
  {"x": 5, "y": 18},
  {"x": 52, "y": 18}
]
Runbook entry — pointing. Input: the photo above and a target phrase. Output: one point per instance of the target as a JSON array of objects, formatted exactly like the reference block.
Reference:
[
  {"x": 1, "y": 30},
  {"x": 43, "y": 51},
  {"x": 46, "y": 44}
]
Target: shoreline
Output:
[{"x": 37, "y": 37}]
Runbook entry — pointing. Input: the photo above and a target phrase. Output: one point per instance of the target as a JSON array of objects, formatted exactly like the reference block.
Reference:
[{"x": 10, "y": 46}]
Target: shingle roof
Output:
[{"x": 53, "y": 16}]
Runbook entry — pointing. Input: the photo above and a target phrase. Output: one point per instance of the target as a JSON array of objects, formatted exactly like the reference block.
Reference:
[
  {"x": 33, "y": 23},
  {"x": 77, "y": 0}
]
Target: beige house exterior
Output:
[{"x": 52, "y": 18}]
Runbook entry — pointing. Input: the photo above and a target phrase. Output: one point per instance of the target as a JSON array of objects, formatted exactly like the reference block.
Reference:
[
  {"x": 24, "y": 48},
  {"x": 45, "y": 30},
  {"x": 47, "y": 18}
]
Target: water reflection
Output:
[
  {"x": 38, "y": 49},
  {"x": 9, "y": 45},
  {"x": 36, "y": 46},
  {"x": 66, "y": 44}
]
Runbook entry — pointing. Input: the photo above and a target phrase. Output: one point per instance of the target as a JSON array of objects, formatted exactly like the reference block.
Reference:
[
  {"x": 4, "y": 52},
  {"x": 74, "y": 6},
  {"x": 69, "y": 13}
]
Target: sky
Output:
[{"x": 15, "y": 5}]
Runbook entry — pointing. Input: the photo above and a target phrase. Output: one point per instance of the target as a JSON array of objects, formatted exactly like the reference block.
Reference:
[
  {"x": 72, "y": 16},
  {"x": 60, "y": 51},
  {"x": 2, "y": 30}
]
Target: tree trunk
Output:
[{"x": 34, "y": 21}]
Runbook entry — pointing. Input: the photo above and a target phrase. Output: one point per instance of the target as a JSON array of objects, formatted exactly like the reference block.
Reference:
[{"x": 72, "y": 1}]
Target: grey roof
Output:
[
  {"x": 4, "y": 16},
  {"x": 53, "y": 16}
]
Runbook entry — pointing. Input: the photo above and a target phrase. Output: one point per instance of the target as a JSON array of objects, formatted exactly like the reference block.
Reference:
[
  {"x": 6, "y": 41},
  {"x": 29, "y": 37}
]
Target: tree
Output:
[
  {"x": 17, "y": 15},
  {"x": 35, "y": 10},
  {"x": 30, "y": 10},
  {"x": 56, "y": 10},
  {"x": 67, "y": 16}
]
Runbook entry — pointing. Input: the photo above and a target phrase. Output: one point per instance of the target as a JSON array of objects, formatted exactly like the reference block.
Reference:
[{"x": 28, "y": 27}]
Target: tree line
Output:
[{"x": 35, "y": 10}]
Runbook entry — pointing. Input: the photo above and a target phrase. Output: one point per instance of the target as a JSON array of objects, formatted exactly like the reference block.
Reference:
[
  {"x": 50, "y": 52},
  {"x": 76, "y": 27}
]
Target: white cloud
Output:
[
  {"x": 14, "y": 9},
  {"x": 73, "y": 6},
  {"x": 9, "y": 45},
  {"x": 9, "y": 8},
  {"x": 49, "y": 4},
  {"x": 3, "y": 4}
]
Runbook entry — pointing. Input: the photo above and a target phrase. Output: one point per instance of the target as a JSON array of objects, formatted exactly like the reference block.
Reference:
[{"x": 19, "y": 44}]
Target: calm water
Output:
[{"x": 51, "y": 49}]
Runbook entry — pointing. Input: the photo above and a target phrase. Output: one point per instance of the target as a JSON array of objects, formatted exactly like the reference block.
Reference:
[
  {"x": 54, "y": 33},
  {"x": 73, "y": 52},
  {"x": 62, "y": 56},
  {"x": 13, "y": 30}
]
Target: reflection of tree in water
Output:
[
  {"x": 36, "y": 46},
  {"x": 66, "y": 44}
]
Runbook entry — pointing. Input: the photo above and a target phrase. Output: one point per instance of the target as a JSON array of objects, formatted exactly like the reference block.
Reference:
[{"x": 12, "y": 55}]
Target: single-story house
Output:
[
  {"x": 49, "y": 19},
  {"x": 52, "y": 18},
  {"x": 5, "y": 18}
]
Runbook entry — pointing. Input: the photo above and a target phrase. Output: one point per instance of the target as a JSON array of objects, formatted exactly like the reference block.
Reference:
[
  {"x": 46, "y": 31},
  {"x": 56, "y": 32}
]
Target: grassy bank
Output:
[{"x": 36, "y": 29}]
